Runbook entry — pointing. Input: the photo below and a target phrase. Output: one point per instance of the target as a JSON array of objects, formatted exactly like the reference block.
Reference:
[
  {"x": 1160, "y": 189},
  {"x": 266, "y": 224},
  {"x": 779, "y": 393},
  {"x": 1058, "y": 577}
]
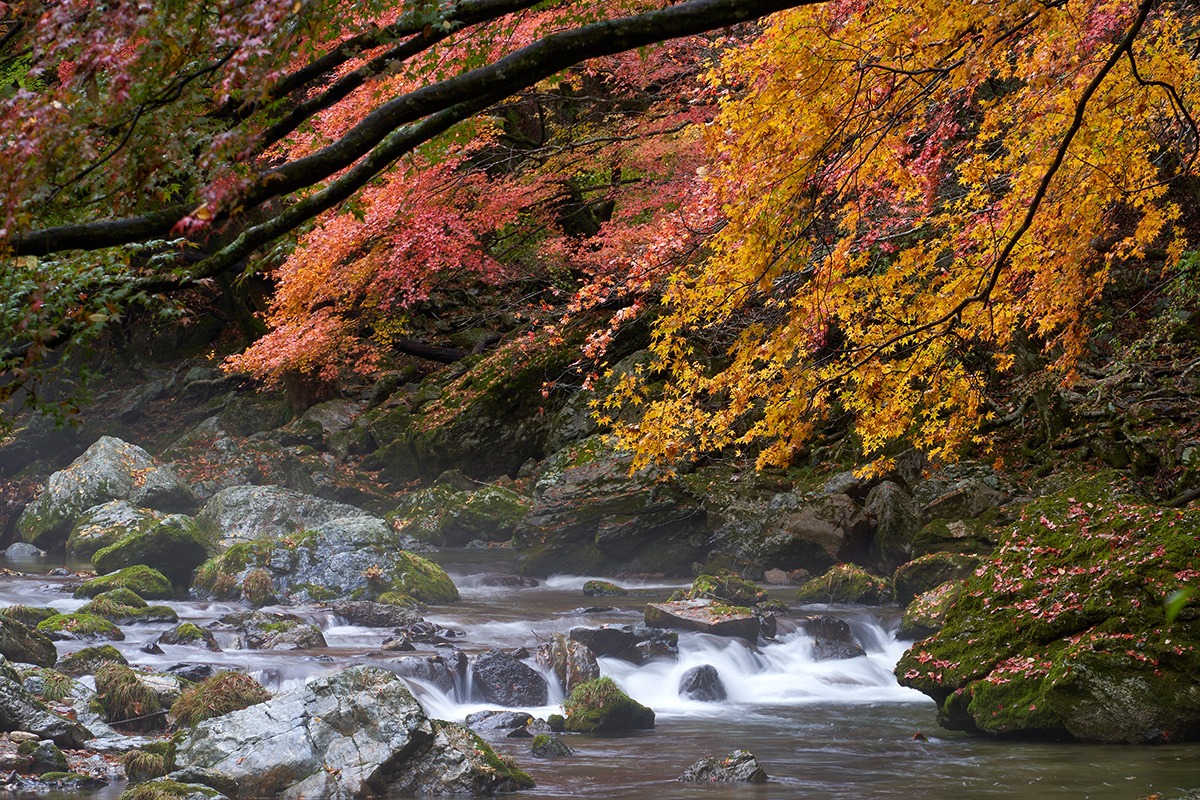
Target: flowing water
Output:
[{"x": 821, "y": 729}]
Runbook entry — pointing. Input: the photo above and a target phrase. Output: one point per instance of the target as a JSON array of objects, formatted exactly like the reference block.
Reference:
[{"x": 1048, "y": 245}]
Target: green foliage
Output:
[
  {"x": 143, "y": 766},
  {"x": 221, "y": 694}
]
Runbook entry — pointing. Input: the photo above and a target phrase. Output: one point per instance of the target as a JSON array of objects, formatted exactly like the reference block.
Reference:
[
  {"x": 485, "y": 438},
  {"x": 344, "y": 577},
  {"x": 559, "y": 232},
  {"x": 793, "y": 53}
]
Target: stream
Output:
[{"x": 820, "y": 729}]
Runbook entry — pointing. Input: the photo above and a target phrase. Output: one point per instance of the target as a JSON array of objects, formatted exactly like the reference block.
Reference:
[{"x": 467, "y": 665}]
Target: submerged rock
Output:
[
  {"x": 354, "y": 733},
  {"x": 547, "y": 745},
  {"x": 108, "y": 470},
  {"x": 704, "y": 616},
  {"x": 1064, "y": 633},
  {"x": 702, "y": 683},
  {"x": 740, "y": 766}
]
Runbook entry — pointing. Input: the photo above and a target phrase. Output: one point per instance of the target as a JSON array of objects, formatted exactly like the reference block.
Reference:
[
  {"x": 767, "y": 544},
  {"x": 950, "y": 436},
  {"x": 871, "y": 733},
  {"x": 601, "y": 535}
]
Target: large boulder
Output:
[
  {"x": 1064, "y": 633},
  {"x": 248, "y": 513},
  {"x": 927, "y": 612},
  {"x": 19, "y": 643},
  {"x": 590, "y": 514},
  {"x": 356, "y": 558},
  {"x": 108, "y": 470},
  {"x": 705, "y": 616},
  {"x": 146, "y": 582},
  {"x": 897, "y": 522},
  {"x": 442, "y": 515},
  {"x": 106, "y": 524},
  {"x": 930, "y": 571},
  {"x": 357, "y": 732},
  {"x": 173, "y": 546},
  {"x": 501, "y": 678}
]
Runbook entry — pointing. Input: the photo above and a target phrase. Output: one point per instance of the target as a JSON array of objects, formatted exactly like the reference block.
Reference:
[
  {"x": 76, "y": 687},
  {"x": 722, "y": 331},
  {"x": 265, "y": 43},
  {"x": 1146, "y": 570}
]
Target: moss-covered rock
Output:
[
  {"x": 174, "y": 547},
  {"x": 29, "y": 616},
  {"x": 19, "y": 643},
  {"x": 166, "y": 789},
  {"x": 926, "y": 614},
  {"x": 930, "y": 571},
  {"x": 595, "y": 588},
  {"x": 106, "y": 524},
  {"x": 126, "y": 700},
  {"x": 144, "y": 581},
  {"x": 89, "y": 659},
  {"x": 847, "y": 583},
  {"x": 48, "y": 684},
  {"x": 190, "y": 635},
  {"x": 442, "y": 515},
  {"x": 969, "y": 536},
  {"x": 356, "y": 559},
  {"x": 727, "y": 588},
  {"x": 1064, "y": 632},
  {"x": 123, "y": 606},
  {"x": 80, "y": 625},
  {"x": 600, "y": 706}
]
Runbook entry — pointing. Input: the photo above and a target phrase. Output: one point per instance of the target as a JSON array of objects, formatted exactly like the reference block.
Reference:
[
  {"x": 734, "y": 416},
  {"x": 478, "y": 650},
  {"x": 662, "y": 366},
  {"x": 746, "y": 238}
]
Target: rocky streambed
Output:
[{"x": 821, "y": 722}]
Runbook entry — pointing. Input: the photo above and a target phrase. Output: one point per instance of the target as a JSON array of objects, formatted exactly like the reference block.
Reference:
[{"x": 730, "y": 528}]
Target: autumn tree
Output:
[
  {"x": 148, "y": 147},
  {"x": 906, "y": 197}
]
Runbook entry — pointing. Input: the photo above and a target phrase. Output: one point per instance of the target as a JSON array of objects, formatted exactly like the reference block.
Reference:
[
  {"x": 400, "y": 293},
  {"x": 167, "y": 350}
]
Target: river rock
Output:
[
  {"x": 596, "y": 588},
  {"x": 727, "y": 589},
  {"x": 897, "y": 522},
  {"x": 247, "y": 513},
  {"x": 600, "y": 706},
  {"x": 615, "y": 641},
  {"x": 375, "y": 615},
  {"x": 146, "y": 582},
  {"x": 739, "y": 766},
  {"x": 1063, "y": 633},
  {"x": 571, "y": 660},
  {"x": 500, "y": 678},
  {"x": 190, "y": 635},
  {"x": 19, "y": 643},
  {"x": 435, "y": 670},
  {"x": 930, "y": 571},
  {"x": 444, "y": 516},
  {"x": 174, "y": 546},
  {"x": 547, "y": 745},
  {"x": 21, "y": 711},
  {"x": 357, "y": 557},
  {"x": 704, "y": 616},
  {"x": 832, "y": 638},
  {"x": 702, "y": 683},
  {"x": 265, "y": 631},
  {"x": 591, "y": 514},
  {"x": 357, "y": 732},
  {"x": 23, "y": 551},
  {"x": 847, "y": 583},
  {"x": 106, "y": 524},
  {"x": 108, "y": 470}
]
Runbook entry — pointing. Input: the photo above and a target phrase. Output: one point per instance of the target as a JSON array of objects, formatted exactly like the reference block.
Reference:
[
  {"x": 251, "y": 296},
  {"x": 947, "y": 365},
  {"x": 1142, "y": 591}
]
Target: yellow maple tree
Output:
[{"x": 907, "y": 194}]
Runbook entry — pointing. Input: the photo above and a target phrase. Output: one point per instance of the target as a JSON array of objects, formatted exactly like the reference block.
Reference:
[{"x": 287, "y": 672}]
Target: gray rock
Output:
[
  {"x": 433, "y": 670},
  {"x": 21, "y": 711},
  {"x": 46, "y": 757},
  {"x": 263, "y": 631},
  {"x": 375, "y": 615},
  {"x": 572, "y": 661},
  {"x": 21, "y": 644},
  {"x": 546, "y": 745},
  {"x": 174, "y": 546},
  {"x": 108, "y": 470},
  {"x": 615, "y": 641},
  {"x": 358, "y": 732},
  {"x": 702, "y": 683},
  {"x": 832, "y": 638},
  {"x": 500, "y": 678},
  {"x": 246, "y": 513},
  {"x": 106, "y": 524},
  {"x": 23, "y": 551},
  {"x": 739, "y": 766},
  {"x": 897, "y": 522},
  {"x": 703, "y": 616}
]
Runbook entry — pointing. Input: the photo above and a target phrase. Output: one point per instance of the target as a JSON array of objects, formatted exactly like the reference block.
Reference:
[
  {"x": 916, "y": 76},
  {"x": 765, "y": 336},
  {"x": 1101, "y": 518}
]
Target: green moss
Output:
[
  {"x": 124, "y": 596},
  {"x": 56, "y": 685},
  {"x": 421, "y": 579},
  {"x": 504, "y": 767},
  {"x": 847, "y": 583},
  {"x": 144, "y": 581},
  {"x": 726, "y": 588},
  {"x": 29, "y": 616},
  {"x": 164, "y": 789},
  {"x": 175, "y": 547},
  {"x": 596, "y": 588},
  {"x": 107, "y": 605},
  {"x": 88, "y": 660},
  {"x": 318, "y": 594},
  {"x": 79, "y": 625},
  {"x": 221, "y": 694},
  {"x": 599, "y": 706},
  {"x": 1067, "y": 611}
]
